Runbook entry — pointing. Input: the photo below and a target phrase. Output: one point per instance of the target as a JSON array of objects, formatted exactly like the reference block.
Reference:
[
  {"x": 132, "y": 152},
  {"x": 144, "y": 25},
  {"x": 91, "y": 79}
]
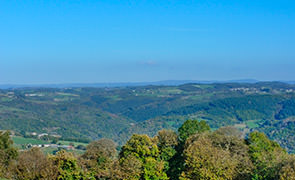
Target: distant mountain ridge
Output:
[{"x": 129, "y": 84}]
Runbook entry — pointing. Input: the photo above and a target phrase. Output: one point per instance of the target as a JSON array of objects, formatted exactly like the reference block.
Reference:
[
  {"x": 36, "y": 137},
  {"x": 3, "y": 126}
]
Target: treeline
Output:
[{"x": 194, "y": 152}]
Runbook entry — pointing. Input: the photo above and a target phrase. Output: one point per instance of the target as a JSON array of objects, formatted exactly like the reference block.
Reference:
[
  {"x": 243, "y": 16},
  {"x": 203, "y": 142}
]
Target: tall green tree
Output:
[
  {"x": 188, "y": 128},
  {"x": 191, "y": 127},
  {"x": 68, "y": 168},
  {"x": 144, "y": 153},
  {"x": 167, "y": 141},
  {"x": 267, "y": 156},
  {"x": 7, "y": 152}
]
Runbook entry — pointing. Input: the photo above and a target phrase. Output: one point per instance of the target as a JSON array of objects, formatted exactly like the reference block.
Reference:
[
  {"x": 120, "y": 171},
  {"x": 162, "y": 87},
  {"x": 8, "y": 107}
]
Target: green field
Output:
[
  {"x": 18, "y": 140},
  {"x": 204, "y": 86},
  {"x": 252, "y": 124},
  {"x": 21, "y": 140}
]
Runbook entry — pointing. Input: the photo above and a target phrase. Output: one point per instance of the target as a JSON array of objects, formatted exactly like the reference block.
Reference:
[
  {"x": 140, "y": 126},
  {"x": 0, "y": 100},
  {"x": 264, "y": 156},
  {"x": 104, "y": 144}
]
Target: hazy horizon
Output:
[{"x": 137, "y": 83}]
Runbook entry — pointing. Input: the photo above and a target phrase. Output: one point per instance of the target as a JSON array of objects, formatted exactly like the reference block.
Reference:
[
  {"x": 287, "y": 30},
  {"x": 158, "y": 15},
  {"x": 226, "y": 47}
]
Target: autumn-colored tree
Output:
[
  {"x": 205, "y": 161},
  {"x": 230, "y": 139},
  {"x": 287, "y": 171},
  {"x": 33, "y": 164},
  {"x": 199, "y": 154},
  {"x": 167, "y": 138},
  {"x": 129, "y": 167},
  {"x": 99, "y": 157}
]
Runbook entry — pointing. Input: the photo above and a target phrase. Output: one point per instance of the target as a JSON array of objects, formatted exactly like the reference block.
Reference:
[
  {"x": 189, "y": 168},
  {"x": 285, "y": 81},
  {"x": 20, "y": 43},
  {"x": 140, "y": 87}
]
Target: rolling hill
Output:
[{"x": 118, "y": 112}]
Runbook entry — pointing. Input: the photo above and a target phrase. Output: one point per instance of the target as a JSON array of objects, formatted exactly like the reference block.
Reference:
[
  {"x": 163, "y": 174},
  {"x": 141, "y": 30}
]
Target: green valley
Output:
[{"x": 84, "y": 114}]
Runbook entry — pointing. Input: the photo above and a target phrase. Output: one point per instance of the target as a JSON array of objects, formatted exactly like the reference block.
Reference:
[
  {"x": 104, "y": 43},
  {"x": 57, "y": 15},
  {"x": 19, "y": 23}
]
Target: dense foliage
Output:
[{"x": 201, "y": 154}]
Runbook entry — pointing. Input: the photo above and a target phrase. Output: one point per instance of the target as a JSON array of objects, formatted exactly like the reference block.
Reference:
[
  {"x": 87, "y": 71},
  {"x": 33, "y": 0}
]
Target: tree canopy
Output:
[{"x": 223, "y": 154}]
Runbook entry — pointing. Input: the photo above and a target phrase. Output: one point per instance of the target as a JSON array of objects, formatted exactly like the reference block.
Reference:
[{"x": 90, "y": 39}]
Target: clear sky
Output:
[{"x": 88, "y": 41}]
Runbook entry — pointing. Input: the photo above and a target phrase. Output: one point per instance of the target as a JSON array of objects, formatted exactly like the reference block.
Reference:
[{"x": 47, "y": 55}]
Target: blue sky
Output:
[{"x": 86, "y": 41}]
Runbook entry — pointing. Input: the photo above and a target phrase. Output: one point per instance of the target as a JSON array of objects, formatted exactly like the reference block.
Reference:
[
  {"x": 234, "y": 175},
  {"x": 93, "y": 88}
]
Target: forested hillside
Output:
[
  {"x": 117, "y": 113},
  {"x": 193, "y": 152}
]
